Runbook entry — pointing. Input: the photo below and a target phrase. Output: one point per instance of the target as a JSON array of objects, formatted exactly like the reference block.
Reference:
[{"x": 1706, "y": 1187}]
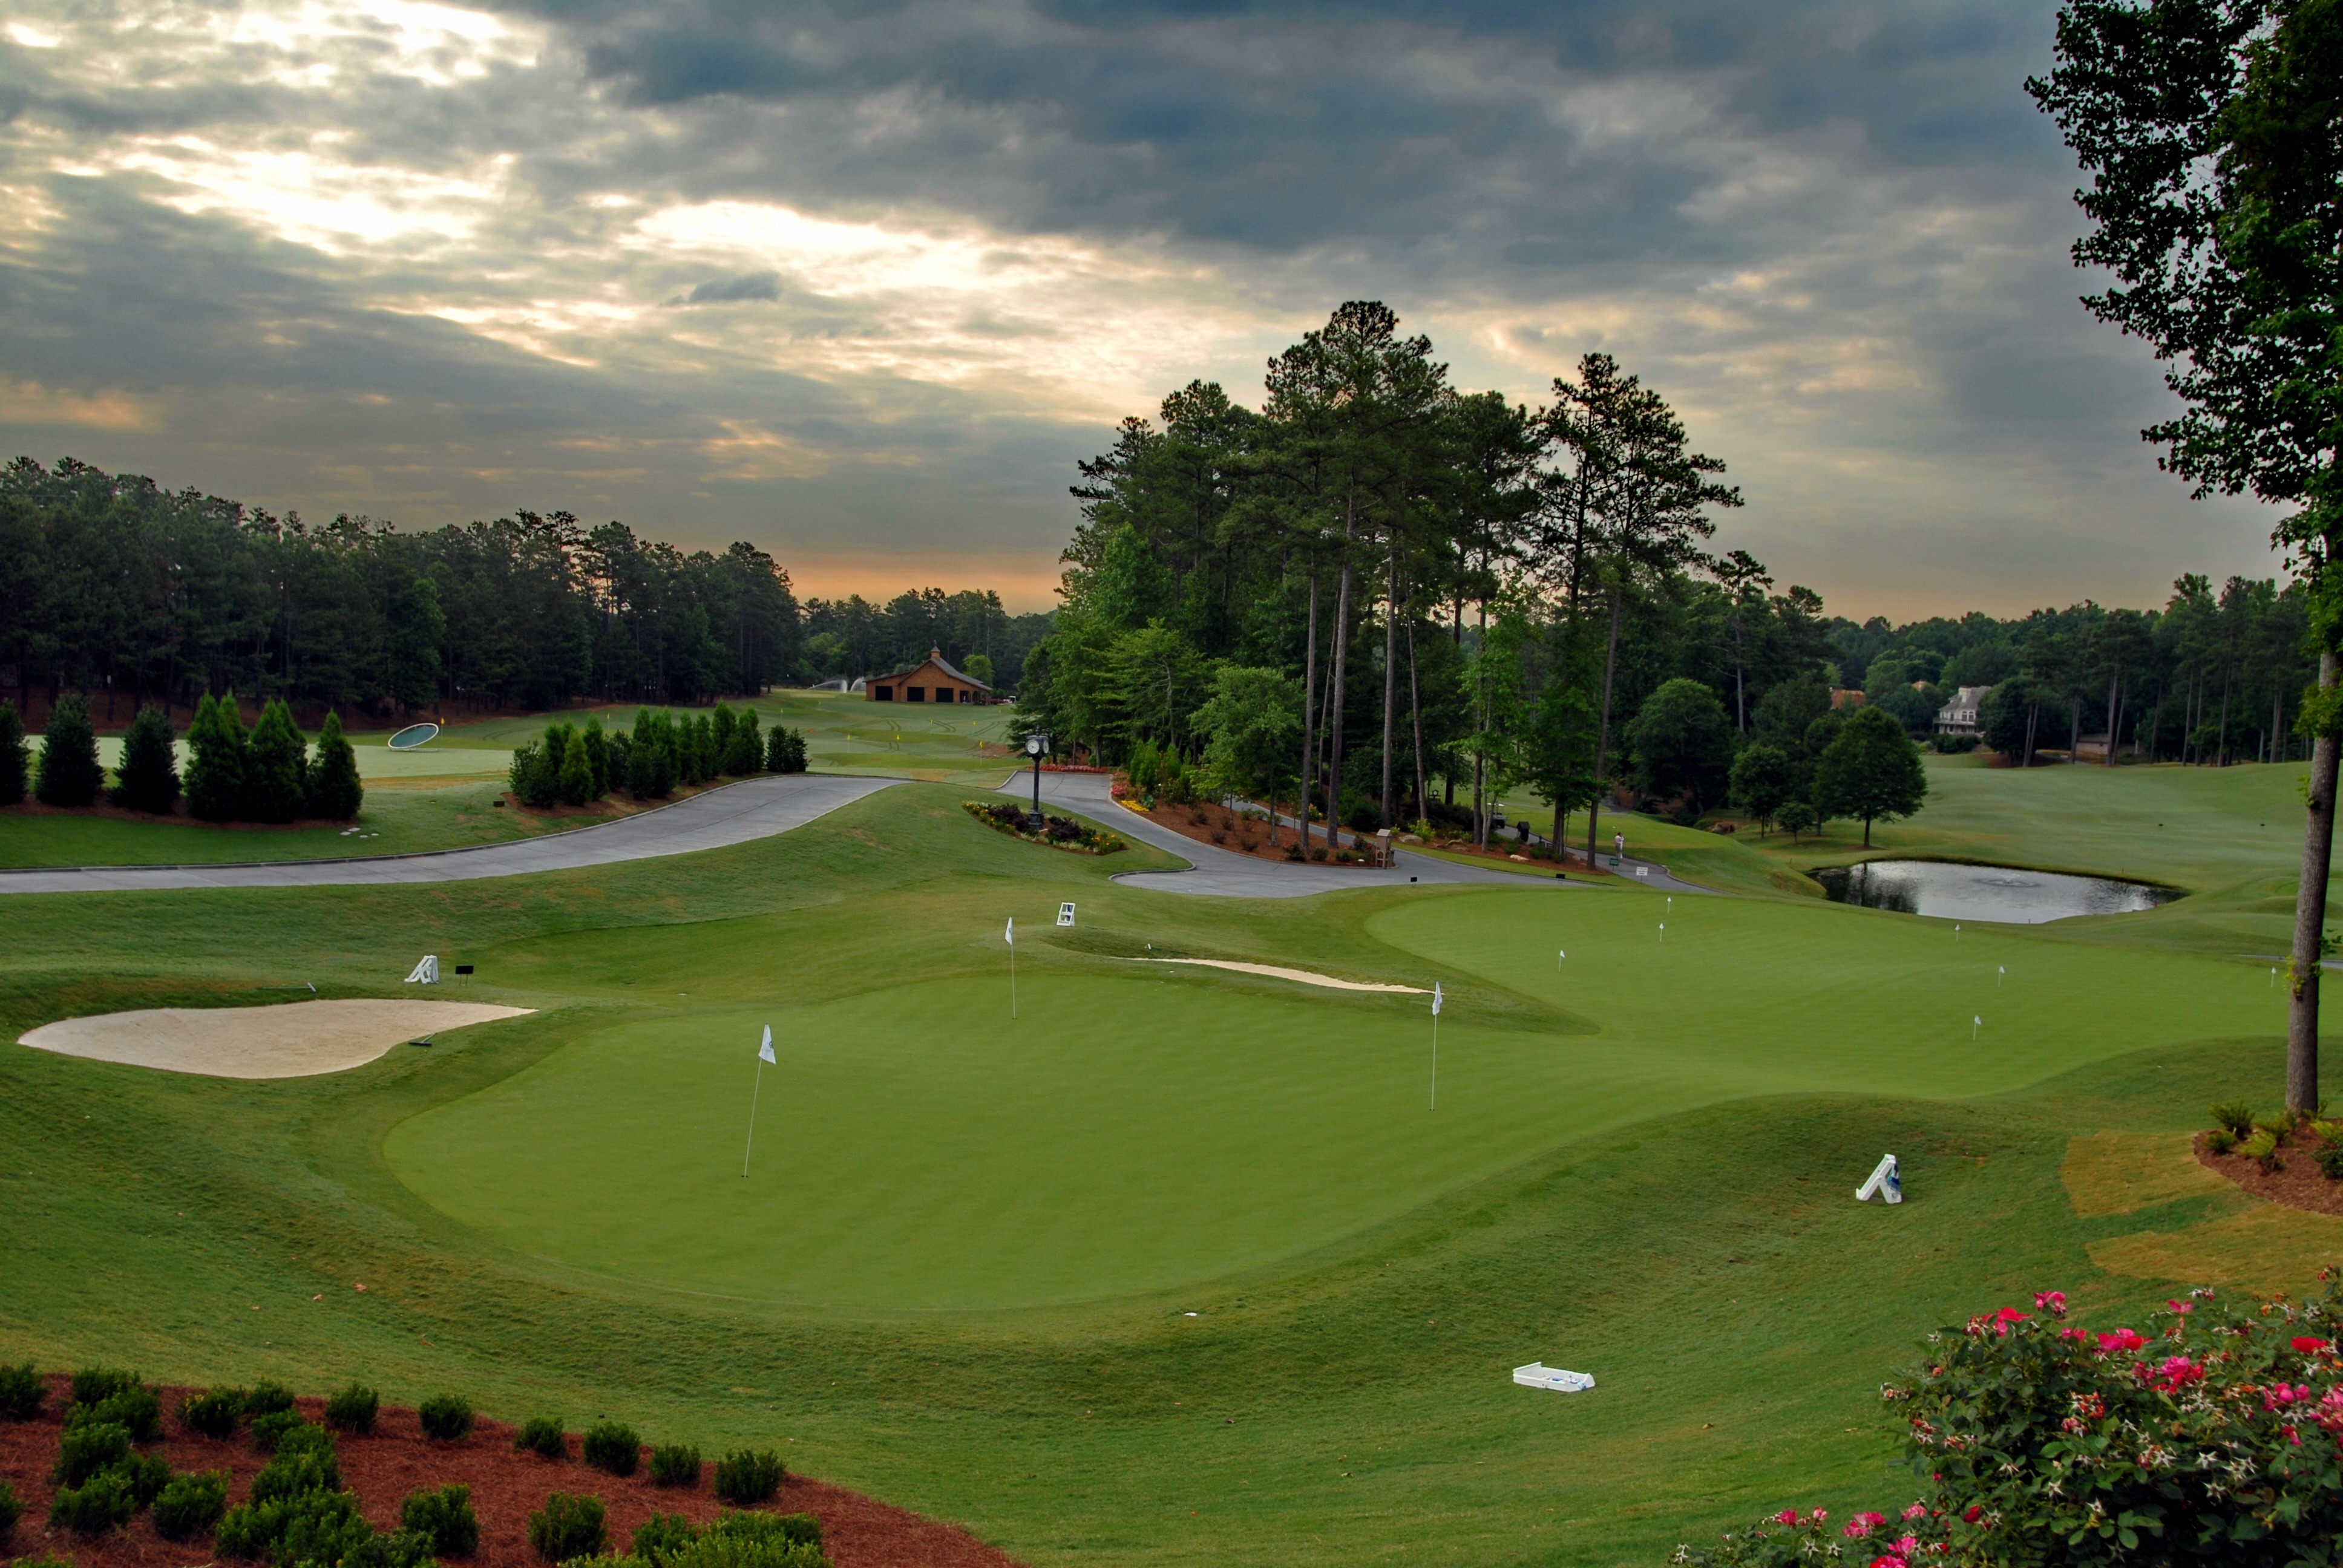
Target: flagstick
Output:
[
  {"x": 1435, "y": 1062},
  {"x": 752, "y": 1118},
  {"x": 1012, "y": 980}
]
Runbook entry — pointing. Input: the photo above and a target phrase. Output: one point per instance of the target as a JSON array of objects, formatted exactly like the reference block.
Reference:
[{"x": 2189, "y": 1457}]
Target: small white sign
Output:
[
  {"x": 1538, "y": 1375},
  {"x": 1885, "y": 1183},
  {"x": 1065, "y": 914},
  {"x": 1642, "y": 870}
]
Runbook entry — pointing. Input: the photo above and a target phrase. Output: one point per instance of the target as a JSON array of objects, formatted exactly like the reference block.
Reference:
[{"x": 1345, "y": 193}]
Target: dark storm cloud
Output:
[{"x": 372, "y": 254}]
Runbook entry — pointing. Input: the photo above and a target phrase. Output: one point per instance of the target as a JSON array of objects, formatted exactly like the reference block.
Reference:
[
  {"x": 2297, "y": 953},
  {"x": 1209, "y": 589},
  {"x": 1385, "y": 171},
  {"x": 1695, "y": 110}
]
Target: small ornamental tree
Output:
[
  {"x": 216, "y": 745},
  {"x": 597, "y": 755},
  {"x": 12, "y": 756},
  {"x": 1872, "y": 770},
  {"x": 746, "y": 754},
  {"x": 277, "y": 769},
  {"x": 1763, "y": 780},
  {"x": 575, "y": 783},
  {"x": 69, "y": 773},
  {"x": 785, "y": 751},
  {"x": 335, "y": 792},
  {"x": 148, "y": 779}
]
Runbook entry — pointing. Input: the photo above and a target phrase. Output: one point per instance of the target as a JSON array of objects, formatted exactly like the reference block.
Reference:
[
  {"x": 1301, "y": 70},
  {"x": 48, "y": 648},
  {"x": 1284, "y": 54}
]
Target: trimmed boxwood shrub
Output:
[
  {"x": 566, "y": 1527},
  {"x": 353, "y": 1409},
  {"x": 445, "y": 1518},
  {"x": 797, "y": 1528},
  {"x": 22, "y": 1392},
  {"x": 661, "y": 1537},
  {"x": 542, "y": 1435},
  {"x": 135, "y": 1410},
  {"x": 12, "y": 1508},
  {"x": 268, "y": 1432},
  {"x": 756, "y": 1541},
  {"x": 675, "y": 1464},
  {"x": 389, "y": 1549},
  {"x": 292, "y": 1473},
  {"x": 612, "y": 1446},
  {"x": 84, "y": 1451},
  {"x": 146, "y": 1475},
  {"x": 314, "y": 1527},
  {"x": 268, "y": 1397},
  {"x": 213, "y": 1412},
  {"x": 92, "y": 1384},
  {"x": 101, "y": 1504},
  {"x": 191, "y": 1504},
  {"x": 447, "y": 1417},
  {"x": 746, "y": 1478}
]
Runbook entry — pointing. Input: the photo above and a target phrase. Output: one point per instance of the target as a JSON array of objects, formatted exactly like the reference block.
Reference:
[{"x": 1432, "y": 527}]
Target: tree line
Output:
[
  {"x": 1399, "y": 600},
  {"x": 112, "y": 586}
]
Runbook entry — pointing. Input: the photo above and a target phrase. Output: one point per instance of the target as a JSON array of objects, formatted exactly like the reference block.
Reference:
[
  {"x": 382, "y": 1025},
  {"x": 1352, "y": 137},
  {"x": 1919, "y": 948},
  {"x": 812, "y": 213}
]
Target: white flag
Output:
[
  {"x": 1436, "y": 998},
  {"x": 1978, "y": 1021},
  {"x": 1010, "y": 936},
  {"x": 765, "y": 1051}
]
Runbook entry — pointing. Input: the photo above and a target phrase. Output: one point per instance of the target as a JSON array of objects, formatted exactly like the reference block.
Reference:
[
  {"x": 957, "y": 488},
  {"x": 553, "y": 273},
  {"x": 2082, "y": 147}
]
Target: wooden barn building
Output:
[{"x": 932, "y": 681}]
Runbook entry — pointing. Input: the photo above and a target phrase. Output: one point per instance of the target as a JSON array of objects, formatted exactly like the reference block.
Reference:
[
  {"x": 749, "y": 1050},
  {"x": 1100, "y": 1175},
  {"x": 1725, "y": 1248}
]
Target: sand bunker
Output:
[
  {"x": 1304, "y": 976},
  {"x": 293, "y": 1041}
]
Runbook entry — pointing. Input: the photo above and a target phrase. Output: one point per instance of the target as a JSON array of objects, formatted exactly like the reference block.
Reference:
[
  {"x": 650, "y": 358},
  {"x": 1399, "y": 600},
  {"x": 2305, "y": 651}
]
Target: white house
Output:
[{"x": 1959, "y": 717}]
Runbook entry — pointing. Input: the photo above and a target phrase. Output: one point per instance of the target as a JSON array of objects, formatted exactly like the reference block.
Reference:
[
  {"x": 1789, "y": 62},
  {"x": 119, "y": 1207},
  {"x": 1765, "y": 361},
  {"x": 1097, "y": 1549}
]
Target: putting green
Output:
[
  {"x": 916, "y": 1148},
  {"x": 921, "y": 1151}
]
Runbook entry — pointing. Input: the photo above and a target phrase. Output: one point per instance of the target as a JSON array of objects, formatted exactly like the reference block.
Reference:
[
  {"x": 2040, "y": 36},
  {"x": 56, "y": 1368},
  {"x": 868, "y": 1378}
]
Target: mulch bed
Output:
[
  {"x": 2300, "y": 1185},
  {"x": 1242, "y": 835},
  {"x": 507, "y": 1485}
]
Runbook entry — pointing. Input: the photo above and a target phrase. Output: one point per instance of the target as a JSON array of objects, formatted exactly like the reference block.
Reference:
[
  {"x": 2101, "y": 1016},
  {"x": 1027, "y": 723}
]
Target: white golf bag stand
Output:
[
  {"x": 1885, "y": 1183},
  {"x": 426, "y": 972}
]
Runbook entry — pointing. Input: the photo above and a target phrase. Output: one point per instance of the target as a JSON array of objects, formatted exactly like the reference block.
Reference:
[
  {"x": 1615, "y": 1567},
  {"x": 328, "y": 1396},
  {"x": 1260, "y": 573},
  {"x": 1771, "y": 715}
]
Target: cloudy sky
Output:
[{"x": 860, "y": 283}]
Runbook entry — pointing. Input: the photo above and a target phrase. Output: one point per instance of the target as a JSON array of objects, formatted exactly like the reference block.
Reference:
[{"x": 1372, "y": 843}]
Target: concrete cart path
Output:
[
  {"x": 1220, "y": 873},
  {"x": 735, "y": 814}
]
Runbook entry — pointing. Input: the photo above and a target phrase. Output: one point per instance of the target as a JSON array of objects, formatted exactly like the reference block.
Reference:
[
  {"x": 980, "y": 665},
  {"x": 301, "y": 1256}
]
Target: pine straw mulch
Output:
[
  {"x": 2300, "y": 1185},
  {"x": 1240, "y": 835},
  {"x": 507, "y": 1485}
]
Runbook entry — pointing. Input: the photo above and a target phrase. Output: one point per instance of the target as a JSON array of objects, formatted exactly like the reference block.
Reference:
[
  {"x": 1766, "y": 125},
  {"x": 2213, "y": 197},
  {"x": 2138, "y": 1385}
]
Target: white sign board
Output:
[
  {"x": 1536, "y": 1375},
  {"x": 1065, "y": 914},
  {"x": 1885, "y": 1183}
]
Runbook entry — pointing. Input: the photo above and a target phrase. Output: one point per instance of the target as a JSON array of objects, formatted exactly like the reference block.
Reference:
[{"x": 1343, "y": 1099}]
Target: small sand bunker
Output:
[
  {"x": 296, "y": 1040},
  {"x": 1305, "y": 975}
]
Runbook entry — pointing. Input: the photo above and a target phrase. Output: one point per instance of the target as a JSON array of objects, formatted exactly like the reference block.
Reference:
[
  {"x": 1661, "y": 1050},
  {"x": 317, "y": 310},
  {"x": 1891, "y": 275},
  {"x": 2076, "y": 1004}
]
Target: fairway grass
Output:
[{"x": 961, "y": 1272}]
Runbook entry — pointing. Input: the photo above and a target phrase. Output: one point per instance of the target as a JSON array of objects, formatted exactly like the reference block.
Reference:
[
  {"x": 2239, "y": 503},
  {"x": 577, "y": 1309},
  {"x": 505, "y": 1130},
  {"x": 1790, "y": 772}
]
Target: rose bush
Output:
[{"x": 2212, "y": 1435}]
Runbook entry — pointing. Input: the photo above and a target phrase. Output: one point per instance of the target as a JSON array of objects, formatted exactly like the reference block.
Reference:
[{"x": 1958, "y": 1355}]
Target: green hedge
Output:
[
  {"x": 269, "y": 1431},
  {"x": 675, "y": 1464},
  {"x": 353, "y": 1409},
  {"x": 445, "y": 1518},
  {"x": 136, "y": 1410},
  {"x": 612, "y": 1446},
  {"x": 213, "y": 1412},
  {"x": 105, "y": 1501},
  {"x": 92, "y": 1384},
  {"x": 566, "y": 1527},
  {"x": 447, "y": 1417},
  {"x": 542, "y": 1435},
  {"x": 268, "y": 1397},
  {"x": 659, "y": 1539},
  {"x": 746, "y": 1478},
  {"x": 191, "y": 1504},
  {"x": 22, "y": 1392},
  {"x": 12, "y": 1508},
  {"x": 84, "y": 1450}
]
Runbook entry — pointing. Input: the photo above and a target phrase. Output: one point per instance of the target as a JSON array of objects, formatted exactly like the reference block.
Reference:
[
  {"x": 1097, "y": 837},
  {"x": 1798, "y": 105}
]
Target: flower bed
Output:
[
  {"x": 1058, "y": 832},
  {"x": 2215, "y": 1436}
]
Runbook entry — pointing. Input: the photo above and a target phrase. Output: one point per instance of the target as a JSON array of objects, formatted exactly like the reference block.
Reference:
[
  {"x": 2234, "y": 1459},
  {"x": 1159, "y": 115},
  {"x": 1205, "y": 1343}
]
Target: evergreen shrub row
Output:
[
  {"x": 567, "y": 766},
  {"x": 266, "y": 775}
]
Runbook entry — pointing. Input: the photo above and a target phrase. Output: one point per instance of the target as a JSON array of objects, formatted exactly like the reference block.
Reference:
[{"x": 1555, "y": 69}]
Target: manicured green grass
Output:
[{"x": 948, "y": 1285}]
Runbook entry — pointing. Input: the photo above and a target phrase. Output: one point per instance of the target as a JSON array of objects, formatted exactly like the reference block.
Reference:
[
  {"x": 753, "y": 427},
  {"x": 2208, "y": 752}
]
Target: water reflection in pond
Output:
[{"x": 1945, "y": 890}]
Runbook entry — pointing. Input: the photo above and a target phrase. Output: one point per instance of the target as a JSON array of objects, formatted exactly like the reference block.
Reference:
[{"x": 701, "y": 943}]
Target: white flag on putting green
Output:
[
  {"x": 765, "y": 1051},
  {"x": 1436, "y": 998},
  {"x": 1010, "y": 936}
]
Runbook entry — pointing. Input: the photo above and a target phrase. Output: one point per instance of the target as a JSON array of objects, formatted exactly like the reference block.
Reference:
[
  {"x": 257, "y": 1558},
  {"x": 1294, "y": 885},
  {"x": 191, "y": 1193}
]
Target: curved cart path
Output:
[
  {"x": 1218, "y": 873},
  {"x": 734, "y": 814}
]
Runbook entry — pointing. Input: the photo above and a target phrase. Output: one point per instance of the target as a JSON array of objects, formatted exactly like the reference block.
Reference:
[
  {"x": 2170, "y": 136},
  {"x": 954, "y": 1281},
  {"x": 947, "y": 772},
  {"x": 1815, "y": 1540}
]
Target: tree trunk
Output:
[
  {"x": 1603, "y": 729},
  {"x": 1390, "y": 677},
  {"x": 1415, "y": 717},
  {"x": 2221, "y": 746},
  {"x": 1334, "y": 704},
  {"x": 2033, "y": 713},
  {"x": 2311, "y": 916},
  {"x": 2075, "y": 731},
  {"x": 1309, "y": 717},
  {"x": 2115, "y": 684}
]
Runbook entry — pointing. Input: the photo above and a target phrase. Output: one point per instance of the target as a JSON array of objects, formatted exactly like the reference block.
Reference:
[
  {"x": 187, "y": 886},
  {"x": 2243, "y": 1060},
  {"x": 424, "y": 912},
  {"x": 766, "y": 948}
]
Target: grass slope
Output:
[{"x": 1652, "y": 1185}]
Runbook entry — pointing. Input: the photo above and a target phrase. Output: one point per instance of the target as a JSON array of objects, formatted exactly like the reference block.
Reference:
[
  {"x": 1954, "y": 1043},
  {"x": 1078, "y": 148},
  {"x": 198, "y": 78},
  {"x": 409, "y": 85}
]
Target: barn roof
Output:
[{"x": 936, "y": 658}]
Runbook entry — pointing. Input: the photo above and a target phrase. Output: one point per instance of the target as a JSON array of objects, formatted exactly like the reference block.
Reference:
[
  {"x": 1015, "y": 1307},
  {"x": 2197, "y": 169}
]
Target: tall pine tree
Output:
[
  {"x": 277, "y": 775},
  {"x": 69, "y": 771},
  {"x": 335, "y": 792},
  {"x": 148, "y": 779}
]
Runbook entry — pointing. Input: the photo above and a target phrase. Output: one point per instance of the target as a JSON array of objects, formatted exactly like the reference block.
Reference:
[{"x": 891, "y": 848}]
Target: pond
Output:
[{"x": 1946, "y": 889}]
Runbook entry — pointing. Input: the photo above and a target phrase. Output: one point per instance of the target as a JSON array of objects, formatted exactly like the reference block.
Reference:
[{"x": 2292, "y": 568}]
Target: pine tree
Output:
[
  {"x": 747, "y": 753},
  {"x": 574, "y": 783},
  {"x": 720, "y": 733},
  {"x": 335, "y": 792},
  {"x": 12, "y": 756},
  {"x": 276, "y": 777},
  {"x": 69, "y": 773},
  {"x": 148, "y": 779},
  {"x": 217, "y": 747},
  {"x": 785, "y": 752},
  {"x": 598, "y": 756}
]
